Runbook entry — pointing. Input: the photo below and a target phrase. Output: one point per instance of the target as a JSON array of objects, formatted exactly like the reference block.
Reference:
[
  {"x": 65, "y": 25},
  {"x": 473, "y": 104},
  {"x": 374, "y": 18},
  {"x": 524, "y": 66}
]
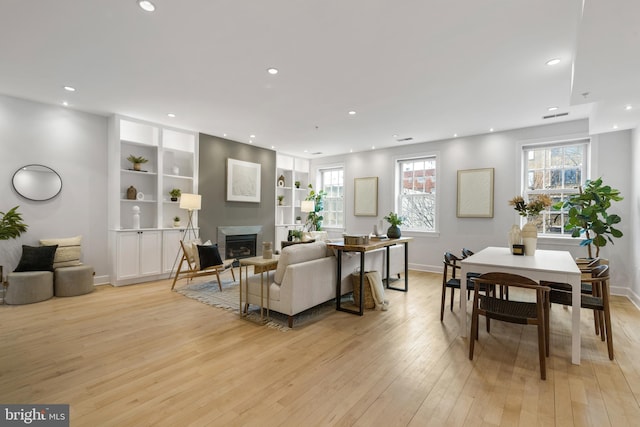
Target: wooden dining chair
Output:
[
  {"x": 520, "y": 312},
  {"x": 598, "y": 301}
]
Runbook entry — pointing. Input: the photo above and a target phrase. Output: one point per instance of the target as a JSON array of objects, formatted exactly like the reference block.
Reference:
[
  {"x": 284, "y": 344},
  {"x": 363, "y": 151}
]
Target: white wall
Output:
[
  {"x": 635, "y": 215},
  {"x": 72, "y": 143},
  {"x": 499, "y": 150}
]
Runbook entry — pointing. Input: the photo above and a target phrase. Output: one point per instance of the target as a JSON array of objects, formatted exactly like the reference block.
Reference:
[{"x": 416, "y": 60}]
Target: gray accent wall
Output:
[{"x": 216, "y": 210}]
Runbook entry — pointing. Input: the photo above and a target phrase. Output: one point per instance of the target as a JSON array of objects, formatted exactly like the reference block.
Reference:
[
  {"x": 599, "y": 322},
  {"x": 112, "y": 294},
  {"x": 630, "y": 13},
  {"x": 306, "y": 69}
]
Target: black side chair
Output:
[
  {"x": 598, "y": 301},
  {"x": 521, "y": 312},
  {"x": 449, "y": 279}
]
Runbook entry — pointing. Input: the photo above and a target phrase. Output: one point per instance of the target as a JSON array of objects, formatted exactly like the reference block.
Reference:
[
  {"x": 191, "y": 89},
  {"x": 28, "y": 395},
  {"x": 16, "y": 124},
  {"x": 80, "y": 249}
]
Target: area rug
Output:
[{"x": 228, "y": 299}]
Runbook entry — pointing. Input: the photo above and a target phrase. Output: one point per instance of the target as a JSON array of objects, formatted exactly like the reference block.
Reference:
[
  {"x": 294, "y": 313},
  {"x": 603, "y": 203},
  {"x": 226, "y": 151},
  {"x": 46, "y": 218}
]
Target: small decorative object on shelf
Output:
[
  {"x": 297, "y": 184},
  {"x": 280, "y": 199},
  {"x": 176, "y": 221},
  {"x": 136, "y": 217},
  {"x": 132, "y": 193},
  {"x": 281, "y": 181},
  {"x": 175, "y": 170},
  {"x": 298, "y": 220},
  {"x": 137, "y": 162},
  {"x": 175, "y": 193},
  {"x": 395, "y": 220}
]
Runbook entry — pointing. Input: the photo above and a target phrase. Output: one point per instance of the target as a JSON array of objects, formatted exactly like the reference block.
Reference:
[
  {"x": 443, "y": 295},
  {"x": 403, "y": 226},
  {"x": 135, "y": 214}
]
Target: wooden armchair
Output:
[{"x": 213, "y": 265}]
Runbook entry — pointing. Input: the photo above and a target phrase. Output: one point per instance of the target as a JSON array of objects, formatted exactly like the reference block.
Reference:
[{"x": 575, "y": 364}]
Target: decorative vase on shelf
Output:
[
  {"x": 394, "y": 232},
  {"x": 515, "y": 236},
  {"x": 530, "y": 237}
]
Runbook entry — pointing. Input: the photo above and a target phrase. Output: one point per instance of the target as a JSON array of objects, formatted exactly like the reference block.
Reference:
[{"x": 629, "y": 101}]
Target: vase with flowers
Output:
[
  {"x": 530, "y": 210},
  {"x": 395, "y": 220}
]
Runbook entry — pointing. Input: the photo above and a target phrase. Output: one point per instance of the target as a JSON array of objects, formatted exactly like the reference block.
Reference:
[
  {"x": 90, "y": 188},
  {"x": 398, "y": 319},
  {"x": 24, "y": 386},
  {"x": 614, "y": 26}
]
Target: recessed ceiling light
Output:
[
  {"x": 65, "y": 103},
  {"x": 373, "y": 147},
  {"x": 252, "y": 136},
  {"x": 552, "y": 108},
  {"x": 171, "y": 115},
  {"x": 69, "y": 88},
  {"x": 455, "y": 135},
  {"x": 553, "y": 61},
  {"x": 352, "y": 113},
  {"x": 615, "y": 126},
  {"x": 224, "y": 134},
  {"x": 490, "y": 129},
  {"x": 351, "y": 150},
  {"x": 272, "y": 71},
  {"x": 395, "y": 135},
  {"x": 628, "y": 107},
  {"x": 273, "y": 147},
  {"x": 146, "y": 5}
]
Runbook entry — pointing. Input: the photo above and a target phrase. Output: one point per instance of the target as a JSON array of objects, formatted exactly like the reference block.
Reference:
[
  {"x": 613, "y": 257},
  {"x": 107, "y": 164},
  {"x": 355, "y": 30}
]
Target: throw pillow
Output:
[
  {"x": 68, "y": 252},
  {"x": 209, "y": 256},
  {"x": 36, "y": 258}
]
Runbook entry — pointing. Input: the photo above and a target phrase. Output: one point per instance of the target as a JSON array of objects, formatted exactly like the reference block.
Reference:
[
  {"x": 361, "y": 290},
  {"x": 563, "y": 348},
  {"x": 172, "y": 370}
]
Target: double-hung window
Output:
[
  {"x": 332, "y": 182},
  {"x": 416, "y": 193},
  {"x": 557, "y": 170}
]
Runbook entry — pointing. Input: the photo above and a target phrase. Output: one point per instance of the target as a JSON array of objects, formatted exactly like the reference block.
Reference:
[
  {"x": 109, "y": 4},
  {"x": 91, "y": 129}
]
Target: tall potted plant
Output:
[
  {"x": 314, "y": 218},
  {"x": 11, "y": 225},
  {"x": 588, "y": 215}
]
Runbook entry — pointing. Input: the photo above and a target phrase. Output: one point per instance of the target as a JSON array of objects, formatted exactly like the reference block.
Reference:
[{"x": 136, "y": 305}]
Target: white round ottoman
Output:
[
  {"x": 72, "y": 281},
  {"x": 27, "y": 287}
]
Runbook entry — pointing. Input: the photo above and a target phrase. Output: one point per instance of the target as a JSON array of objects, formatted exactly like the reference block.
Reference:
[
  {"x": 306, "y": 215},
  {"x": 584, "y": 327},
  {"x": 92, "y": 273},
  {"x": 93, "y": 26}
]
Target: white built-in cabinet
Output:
[
  {"x": 290, "y": 169},
  {"x": 148, "y": 252}
]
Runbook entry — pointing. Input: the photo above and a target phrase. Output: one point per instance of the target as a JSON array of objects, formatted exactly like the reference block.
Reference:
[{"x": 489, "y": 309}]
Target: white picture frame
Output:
[
  {"x": 243, "y": 181},
  {"x": 475, "y": 193},
  {"x": 365, "y": 196}
]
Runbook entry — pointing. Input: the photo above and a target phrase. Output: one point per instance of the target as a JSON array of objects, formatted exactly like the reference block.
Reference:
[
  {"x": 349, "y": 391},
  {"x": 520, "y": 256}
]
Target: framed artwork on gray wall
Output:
[
  {"x": 243, "y": 181},
  {"x": 475, "y": 193},
  {"x": 365, "y": 196}
]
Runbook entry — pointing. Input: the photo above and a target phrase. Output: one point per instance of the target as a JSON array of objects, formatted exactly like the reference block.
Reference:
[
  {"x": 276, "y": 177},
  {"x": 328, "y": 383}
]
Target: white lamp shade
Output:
[
  {"x": 307, "y": 206},
  {"x": 192, "y": 202}
]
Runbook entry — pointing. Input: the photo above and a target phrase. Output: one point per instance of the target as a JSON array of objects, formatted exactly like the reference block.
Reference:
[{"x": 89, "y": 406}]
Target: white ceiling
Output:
[{"x": 424, "y": 69}]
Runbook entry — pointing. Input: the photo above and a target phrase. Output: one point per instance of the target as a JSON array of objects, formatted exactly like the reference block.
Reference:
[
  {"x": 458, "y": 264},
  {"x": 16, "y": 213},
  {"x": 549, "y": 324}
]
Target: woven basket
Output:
[{"x": 368, "y": 297}]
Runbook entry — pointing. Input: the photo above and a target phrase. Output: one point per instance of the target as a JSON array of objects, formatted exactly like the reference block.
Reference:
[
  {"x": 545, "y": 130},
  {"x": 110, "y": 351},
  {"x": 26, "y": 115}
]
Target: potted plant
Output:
[
  {"x": 137, "y": 161},
  {"x": 314, "y": 219},
  {"x": 176, "y": 221},
  {"x": 280, "y": 199},
  {"x": 298, "y": 219},
  {"x": 11, "y": 225},
  {"x": 395, "y": 220},
  {"x": 296, "y": 235},
  {"x": 588, "y": 215},
  {"x": 175, "y": 193},
  {"x": 297, "y": 184}
]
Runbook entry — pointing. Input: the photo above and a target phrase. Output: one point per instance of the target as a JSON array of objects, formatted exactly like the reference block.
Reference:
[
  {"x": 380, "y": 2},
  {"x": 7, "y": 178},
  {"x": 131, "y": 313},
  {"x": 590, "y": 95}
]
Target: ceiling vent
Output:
[
  {"x": 405, "y": 139},
  {"x": 316, "y": 153},
  {"x": 553, "y": 116}
]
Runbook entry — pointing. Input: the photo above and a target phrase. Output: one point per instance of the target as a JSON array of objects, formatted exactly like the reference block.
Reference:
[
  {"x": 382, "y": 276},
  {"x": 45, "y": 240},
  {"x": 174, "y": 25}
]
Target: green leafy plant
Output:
[
  {"x": 296, "y": 234},
  {"x": 314, "y": 218},
  {"x": 588, "y": 215},
  {"x": 175, "y": 193},
  {"x": 137, "y": 159},
  {"x": 297, "y": 184},
  {"x": 394, "y": 219},
  {"x": 176, "y": 219},
  {"x": 11, "y": 225}
]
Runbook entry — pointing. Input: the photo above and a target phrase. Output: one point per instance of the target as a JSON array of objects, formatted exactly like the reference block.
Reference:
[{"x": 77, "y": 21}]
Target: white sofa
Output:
[{"x": 306, "y": 276}]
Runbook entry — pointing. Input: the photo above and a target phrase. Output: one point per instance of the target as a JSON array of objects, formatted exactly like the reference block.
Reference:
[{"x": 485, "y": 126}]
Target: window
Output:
[
  {"x": 557, "y": 170},
  {"x": 332, "y": 182},
  {"x": 416, "y": 193}
]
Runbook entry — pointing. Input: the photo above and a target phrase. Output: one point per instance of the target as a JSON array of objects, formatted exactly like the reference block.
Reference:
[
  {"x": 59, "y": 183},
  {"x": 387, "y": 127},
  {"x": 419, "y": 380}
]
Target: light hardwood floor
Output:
[{"x": 143, "y": 355}]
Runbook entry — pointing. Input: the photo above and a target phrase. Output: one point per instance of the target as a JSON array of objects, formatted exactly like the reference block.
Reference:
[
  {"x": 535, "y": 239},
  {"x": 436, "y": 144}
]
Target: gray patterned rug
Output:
[{"x": 229, "y": 299}]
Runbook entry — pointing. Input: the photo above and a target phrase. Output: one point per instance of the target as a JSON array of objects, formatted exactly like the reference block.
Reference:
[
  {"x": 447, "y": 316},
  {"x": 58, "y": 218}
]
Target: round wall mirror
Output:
[{"x": 37, "y": 182}]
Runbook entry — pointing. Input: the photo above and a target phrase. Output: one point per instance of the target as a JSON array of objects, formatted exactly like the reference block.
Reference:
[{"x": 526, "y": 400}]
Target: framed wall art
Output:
[
  {"x": 475, "y": 193},
  {"x": 243, "y": 181},
  {"x": 365, "y": 192}
]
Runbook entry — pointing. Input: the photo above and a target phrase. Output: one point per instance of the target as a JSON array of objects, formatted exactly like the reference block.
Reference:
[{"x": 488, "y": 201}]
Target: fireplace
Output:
[
  {"x": 240, "y": 246},
  {"x": 240, "y": 241}
]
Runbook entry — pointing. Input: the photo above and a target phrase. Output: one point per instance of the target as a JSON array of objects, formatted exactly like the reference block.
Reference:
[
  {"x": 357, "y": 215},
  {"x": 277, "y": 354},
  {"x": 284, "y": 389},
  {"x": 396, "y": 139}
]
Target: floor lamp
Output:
[{"x": 190, "y": 202}]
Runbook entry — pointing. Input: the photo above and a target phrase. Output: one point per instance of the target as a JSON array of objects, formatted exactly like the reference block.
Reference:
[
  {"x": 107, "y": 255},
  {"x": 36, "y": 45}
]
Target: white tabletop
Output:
[{"x": 548, "y": 261}]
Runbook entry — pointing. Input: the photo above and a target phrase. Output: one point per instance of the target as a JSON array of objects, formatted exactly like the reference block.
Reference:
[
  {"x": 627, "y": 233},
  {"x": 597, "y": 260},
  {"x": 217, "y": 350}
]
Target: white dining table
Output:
[{"x": 554, "y": 266}]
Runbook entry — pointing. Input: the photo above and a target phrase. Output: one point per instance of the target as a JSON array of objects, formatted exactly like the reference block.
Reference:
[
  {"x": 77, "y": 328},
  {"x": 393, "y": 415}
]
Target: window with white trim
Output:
[
  {"x": 557, "y": 170},
  {"x": 332, "y": 182},
  {"x": 416, "y": 193}
]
